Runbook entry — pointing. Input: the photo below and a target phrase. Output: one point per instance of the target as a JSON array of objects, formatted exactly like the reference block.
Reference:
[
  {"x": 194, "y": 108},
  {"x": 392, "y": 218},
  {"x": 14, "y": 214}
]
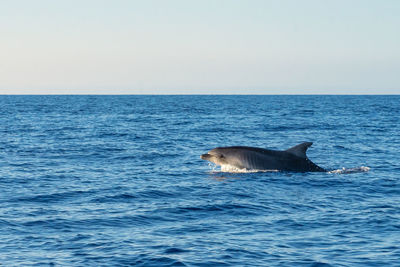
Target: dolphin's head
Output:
[
  {"x": 216, "y": 156},
  {"x": 225, "y": 156}
]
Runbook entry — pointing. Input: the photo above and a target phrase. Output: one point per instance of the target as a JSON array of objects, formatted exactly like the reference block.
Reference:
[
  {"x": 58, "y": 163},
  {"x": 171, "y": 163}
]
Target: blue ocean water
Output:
[{"x": 118, "y": 181}]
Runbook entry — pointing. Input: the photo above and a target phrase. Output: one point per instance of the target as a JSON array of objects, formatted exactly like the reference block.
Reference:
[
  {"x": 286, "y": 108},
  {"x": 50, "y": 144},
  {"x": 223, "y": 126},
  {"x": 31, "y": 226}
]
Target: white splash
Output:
[
  {"x": 233, "y": 169},
  {"x": 350, "y": 170}
]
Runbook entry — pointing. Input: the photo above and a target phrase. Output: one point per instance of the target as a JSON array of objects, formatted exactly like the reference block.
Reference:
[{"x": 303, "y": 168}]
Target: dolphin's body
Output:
[{"x": 251, "y": 158}]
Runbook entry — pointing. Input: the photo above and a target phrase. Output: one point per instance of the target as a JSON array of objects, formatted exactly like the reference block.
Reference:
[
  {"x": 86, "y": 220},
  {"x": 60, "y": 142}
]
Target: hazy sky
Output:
[{"x": 200, "y": 46}]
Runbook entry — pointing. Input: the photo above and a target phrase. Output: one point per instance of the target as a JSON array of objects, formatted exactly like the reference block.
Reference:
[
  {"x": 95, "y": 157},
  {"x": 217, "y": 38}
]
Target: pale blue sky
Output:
[{"x": 204, "y": 46}]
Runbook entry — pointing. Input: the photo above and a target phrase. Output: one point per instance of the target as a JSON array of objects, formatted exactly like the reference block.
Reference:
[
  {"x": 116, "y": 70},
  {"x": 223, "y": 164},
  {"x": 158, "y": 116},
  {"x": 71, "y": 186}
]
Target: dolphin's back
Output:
[
  {"x": 259, "y": 158},
  {"x": 266, "y": 159}
]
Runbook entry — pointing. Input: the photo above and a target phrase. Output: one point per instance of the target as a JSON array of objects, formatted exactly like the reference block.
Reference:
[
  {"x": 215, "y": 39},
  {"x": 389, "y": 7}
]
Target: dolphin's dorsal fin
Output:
[{"x": 300, "y": 150}]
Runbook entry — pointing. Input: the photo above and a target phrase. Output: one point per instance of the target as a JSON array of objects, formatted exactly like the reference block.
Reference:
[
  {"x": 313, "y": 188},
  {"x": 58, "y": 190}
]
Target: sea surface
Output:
[{"x": 118, "y": 181}]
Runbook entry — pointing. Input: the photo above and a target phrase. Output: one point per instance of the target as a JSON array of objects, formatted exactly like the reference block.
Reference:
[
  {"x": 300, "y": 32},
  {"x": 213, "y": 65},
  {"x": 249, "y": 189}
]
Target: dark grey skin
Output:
[{"x": 251, "y": 158}]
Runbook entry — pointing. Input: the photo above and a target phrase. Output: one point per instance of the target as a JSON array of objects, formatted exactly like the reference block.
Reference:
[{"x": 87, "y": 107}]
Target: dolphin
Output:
[{"x": 252, "y": 158}]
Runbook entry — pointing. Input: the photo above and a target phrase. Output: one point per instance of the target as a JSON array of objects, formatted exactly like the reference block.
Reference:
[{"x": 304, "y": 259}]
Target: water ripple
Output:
[{"x": 117, "y": 181}]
